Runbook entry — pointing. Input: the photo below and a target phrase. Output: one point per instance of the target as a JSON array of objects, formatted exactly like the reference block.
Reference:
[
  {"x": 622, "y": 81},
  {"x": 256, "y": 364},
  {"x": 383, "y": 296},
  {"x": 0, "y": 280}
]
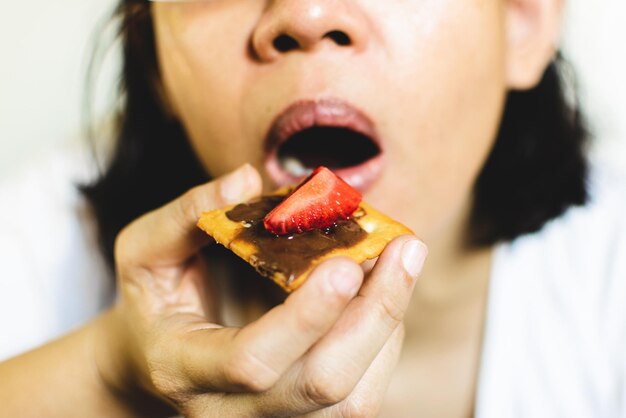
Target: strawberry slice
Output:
[{"x": 318, "y": 202}]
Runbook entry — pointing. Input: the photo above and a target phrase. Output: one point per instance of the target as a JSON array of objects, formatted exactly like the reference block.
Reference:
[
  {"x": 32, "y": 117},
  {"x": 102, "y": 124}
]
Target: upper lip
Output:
[{"x": 306, "y": 114}]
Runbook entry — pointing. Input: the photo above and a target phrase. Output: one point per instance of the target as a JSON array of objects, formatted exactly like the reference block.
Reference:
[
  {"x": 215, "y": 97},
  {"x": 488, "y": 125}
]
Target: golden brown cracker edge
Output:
[{"x": 380, "y": 229}]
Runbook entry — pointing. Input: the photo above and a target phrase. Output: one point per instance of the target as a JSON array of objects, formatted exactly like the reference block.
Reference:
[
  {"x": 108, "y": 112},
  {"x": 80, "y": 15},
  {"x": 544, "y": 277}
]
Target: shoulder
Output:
[
  {"x": 555, "y": 333},
  {"x": 585, "y": 249},
  {"x": 558, "y": 304},
  {"x": 578, "y": 261},
  {"x": 53, "y": 277},
  {"x": 586, "y": 239},
  {"x": 42, "y": 197}
]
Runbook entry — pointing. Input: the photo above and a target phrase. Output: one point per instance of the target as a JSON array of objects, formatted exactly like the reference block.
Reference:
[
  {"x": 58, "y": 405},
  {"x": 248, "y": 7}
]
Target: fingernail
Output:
[
  {"x": 234, "y": 186},
  {"x": 344, "y": 281},
  {"x": 413, "y": 256}
]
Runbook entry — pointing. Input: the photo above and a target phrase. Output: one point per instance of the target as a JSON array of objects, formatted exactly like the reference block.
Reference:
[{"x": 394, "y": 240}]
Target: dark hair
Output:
[
  {"x": 536, "y": 170},
  {"x": 538, "y": 166}
]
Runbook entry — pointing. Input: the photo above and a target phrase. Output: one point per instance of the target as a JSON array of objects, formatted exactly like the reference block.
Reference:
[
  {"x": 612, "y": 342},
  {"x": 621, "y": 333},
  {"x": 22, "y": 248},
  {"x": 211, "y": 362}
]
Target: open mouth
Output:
[
  {"x": 336, "y": 148},
  {"x": 330, "y": 133}
]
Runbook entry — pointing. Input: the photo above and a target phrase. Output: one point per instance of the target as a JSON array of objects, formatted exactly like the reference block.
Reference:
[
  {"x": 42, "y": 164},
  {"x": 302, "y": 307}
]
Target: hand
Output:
[{"x": 328, "y": 350}]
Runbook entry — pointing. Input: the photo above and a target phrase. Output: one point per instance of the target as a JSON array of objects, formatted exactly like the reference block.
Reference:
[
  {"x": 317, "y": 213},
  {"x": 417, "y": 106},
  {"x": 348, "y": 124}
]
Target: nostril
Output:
[
  {"x": 285, "y": 43},
  {"x": 339, "y": 37}
]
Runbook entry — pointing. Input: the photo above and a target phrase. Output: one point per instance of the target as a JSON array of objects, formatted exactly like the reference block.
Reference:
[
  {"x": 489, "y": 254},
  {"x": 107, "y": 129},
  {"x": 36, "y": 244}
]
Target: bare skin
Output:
[
  {"x": 329, "y": 350},
  {"x": 161, "y": 342},
  {"x": 438, "y": 370},
  {"x": 447, "y": 66}
]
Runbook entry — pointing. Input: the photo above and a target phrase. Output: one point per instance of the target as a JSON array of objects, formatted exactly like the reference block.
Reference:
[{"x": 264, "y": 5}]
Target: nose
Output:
[{"x": 304, "y": 25}]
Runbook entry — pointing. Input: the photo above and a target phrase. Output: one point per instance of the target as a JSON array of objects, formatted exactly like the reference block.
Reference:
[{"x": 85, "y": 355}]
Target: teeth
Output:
[{"x": 295, "y": 167}]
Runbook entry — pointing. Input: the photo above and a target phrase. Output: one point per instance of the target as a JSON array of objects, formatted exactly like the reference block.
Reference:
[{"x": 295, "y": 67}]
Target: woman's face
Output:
[{"x": 427, "y": 78}]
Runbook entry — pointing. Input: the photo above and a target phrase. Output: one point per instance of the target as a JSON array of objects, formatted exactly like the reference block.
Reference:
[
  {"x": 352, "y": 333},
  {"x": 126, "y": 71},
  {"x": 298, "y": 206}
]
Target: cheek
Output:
[
  {"x": 201, "y": 61},
  {"x": 449, "y": 91}
]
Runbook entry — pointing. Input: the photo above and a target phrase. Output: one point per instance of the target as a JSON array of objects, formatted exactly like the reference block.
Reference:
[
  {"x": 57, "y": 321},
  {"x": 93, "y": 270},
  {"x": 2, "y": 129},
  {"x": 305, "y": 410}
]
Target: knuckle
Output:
[
  {"x": 324, "y": 389},
  {"x": 360, "y": 407},
  {"x": 249, "y": 373},
  {"x": 390, "y": 311},
  {"x": 156, "y": 369},
  {"x": 121, "y": 246},
  {"x": 165, "y": 382},
  {"x": 198, "y": 200},
  {"x": 120, "y": 240},
  {"x": 310, "y": 320},
  {"x": 399, "y": 334},
  {"x": 188, "y": 206}
]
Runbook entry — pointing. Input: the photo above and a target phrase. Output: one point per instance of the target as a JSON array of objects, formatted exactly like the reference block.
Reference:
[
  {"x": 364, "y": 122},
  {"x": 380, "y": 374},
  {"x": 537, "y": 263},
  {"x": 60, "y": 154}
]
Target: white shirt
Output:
[
  {"x": 54, "y": 278},
  {"x": 555, "y": 339},
  {"x": 555, "y": 343}
]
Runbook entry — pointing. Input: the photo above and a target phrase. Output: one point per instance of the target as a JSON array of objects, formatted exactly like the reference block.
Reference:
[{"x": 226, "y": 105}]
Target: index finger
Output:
[
  {"x": 255, "y": 357},
  {"x": 168, "y": 235}
]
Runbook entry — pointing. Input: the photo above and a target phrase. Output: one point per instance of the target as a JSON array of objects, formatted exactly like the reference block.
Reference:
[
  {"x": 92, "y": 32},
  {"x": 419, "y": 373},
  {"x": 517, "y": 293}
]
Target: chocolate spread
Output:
[{"x": 289, "y": 255}]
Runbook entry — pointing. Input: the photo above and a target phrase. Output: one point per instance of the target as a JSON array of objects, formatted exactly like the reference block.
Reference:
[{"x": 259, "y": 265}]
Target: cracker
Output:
[{"x": 380, "y": 230}]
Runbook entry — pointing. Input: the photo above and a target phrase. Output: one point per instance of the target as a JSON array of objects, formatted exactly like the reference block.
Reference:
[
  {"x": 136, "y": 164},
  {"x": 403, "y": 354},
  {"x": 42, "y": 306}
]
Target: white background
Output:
[{"x": 43, "y": 58}]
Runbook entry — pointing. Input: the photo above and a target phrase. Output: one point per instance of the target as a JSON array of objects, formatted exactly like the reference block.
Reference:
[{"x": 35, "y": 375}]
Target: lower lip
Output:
[{"x": 362, "y": 177}]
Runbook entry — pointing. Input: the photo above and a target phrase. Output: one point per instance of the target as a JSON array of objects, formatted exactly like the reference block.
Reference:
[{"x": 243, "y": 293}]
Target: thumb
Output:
[{"x": 168, "y": 236}]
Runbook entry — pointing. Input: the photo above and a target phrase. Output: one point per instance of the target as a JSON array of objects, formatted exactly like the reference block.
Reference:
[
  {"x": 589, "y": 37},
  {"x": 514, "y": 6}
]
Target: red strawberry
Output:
[{"x": 318, "y": 202}]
